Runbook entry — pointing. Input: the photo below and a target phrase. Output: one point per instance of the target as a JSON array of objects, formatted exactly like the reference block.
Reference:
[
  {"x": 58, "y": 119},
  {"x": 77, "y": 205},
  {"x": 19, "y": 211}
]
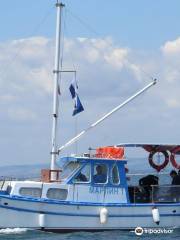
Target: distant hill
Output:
[
  {"x": 137, "y": 166},
  {"x": 22, "y": 171}
]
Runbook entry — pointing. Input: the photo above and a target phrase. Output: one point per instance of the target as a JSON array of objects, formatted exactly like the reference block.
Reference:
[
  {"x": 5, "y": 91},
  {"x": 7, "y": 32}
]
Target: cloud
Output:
[
  {"x": 169, "y": 73},
  {"x": 171, "y": 47},
  {"x": 26, "y": 64},
  {"x": 174, "y": 103},
  {"x": 6, "y": 98},
  {"x": 107, "y": 74},
  {"x": 117, "y": 57},
  {"x": 21, "y": 114}
]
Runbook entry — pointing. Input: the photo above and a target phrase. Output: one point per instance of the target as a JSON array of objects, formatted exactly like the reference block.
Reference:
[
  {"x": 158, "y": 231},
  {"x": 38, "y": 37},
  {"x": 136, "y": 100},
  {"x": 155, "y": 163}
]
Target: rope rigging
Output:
[
  {"x": 32, "y": 33},
  {"x": 92, "y": 30}
]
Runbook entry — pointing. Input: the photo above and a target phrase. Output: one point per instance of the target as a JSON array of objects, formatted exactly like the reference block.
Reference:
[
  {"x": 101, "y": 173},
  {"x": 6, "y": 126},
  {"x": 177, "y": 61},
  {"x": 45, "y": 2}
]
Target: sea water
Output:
[{"x": 17, "y": 233}]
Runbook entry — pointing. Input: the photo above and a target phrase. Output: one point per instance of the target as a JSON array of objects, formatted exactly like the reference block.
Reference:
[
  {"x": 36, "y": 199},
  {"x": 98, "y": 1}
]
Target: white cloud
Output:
[
  {"x": 6, "y": 98},
  {"x": 28, "y": 65},
  {"x": 92, "y": 55},
  {"x": 173, "y": 103},
  {"x": 117, "y": 57},
  {"x": 171, "y": 47},
  {"x": 21, "y": 114},
  {"x": 106, "y": 77}
]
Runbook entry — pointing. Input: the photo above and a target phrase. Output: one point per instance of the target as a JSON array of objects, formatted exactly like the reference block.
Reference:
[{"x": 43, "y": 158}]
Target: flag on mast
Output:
[
  {"x": 73, "y": 89},
  {"x": 78, "y": 107}
]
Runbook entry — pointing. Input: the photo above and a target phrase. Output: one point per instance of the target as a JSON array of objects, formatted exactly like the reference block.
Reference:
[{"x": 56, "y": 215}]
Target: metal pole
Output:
[
  {"x": 56, "y": 72},
  {"x": 73, "y": 140}
]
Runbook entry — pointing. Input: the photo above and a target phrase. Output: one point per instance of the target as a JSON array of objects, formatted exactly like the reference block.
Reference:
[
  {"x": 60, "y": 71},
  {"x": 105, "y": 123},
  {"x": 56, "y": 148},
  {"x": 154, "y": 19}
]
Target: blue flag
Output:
[
  {"x": 78, "y": 107},
  {"x": 72, "y": 90}
]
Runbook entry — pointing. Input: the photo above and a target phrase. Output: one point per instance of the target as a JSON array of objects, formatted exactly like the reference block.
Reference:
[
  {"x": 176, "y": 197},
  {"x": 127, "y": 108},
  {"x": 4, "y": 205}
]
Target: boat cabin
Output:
[
  {"x": 83, "y": 179},
  {"x": 101, "y": 178},
  {"x": 98, "y": 180}
]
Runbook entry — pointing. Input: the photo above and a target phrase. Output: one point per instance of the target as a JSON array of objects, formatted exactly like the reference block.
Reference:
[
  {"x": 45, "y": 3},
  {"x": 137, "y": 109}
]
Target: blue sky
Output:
[
  {"x": 129, "y": 38},
  {"x": 139, "y": 24}
]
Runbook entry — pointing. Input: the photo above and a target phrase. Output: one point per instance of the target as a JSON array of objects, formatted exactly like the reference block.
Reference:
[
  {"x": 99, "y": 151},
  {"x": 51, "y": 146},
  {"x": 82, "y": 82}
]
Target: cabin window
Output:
[
  {"x": 30, "y": 191},
  {"x": 84, "y": 174},
  {"x": 115, "y": 175},
  {"x": 56, "y": 193},
  {"x": 9, "y": 188},
  {"x": 69, "y": 169},
  {"x": 5, "y": 186},
  {"x": 100, "y": 173}
]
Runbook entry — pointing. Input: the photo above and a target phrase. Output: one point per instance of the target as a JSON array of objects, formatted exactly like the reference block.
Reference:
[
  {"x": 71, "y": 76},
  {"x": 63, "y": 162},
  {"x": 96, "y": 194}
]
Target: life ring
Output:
[
  {"x": 173, "y": 158},
  {"x": 161, "y": 166}
]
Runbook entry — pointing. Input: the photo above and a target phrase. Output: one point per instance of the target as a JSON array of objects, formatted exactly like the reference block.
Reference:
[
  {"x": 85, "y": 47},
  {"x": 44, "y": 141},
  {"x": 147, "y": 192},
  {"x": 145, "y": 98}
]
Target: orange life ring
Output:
[
  {"x": 161, "y": 166},
  {"x": 173, "y": 159}
]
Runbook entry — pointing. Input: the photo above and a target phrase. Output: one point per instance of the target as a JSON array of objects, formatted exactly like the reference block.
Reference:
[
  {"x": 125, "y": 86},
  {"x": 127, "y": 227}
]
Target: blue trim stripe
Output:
[
  {"x": 85, "y": 215},
  {"x": 3, "y": 192},
  {"x": 48, "y": 201}
]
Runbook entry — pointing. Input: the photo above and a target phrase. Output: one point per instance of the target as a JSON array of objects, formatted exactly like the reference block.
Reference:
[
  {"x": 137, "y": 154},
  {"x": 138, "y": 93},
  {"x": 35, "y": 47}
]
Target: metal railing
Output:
[
  {"x": 166, "y": 193},
  {"x": 154, "y": 193},
  {"x": 6, "y": 181}
]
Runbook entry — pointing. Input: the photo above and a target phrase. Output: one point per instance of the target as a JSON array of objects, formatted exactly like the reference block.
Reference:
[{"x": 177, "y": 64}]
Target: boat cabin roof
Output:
[
  {"x": 153, "y": 147},
  {"x": 91, "y": 159}
]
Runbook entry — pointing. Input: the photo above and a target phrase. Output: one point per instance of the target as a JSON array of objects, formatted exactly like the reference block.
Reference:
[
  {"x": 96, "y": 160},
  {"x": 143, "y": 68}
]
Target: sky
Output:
[{"x": 116, "y": 48}]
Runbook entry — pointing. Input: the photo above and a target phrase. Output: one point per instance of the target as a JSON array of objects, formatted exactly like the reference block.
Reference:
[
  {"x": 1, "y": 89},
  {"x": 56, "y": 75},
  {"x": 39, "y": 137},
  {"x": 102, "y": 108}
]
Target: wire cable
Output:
[
  {"x": 92, "y": 30},
  {"x": 19, "y": 50}
]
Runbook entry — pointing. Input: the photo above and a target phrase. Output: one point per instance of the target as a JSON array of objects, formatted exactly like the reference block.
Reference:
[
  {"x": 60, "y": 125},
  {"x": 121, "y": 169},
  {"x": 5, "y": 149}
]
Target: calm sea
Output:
[{"x": 16, "y": 234}]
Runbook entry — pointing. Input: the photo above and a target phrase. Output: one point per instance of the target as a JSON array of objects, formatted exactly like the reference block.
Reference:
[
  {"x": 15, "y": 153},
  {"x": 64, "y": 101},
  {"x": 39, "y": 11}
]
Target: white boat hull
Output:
[{"x": 70, "y": 216}]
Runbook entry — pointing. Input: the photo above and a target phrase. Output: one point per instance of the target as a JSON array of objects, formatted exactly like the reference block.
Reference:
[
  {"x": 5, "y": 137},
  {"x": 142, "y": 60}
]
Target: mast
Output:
[{"x": 56, "y": 72}]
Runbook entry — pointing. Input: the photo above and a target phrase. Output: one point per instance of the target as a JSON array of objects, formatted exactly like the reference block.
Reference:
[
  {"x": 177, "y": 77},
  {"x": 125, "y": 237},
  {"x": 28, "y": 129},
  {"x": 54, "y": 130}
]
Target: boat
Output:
[{"x": 91, "y": 192}]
